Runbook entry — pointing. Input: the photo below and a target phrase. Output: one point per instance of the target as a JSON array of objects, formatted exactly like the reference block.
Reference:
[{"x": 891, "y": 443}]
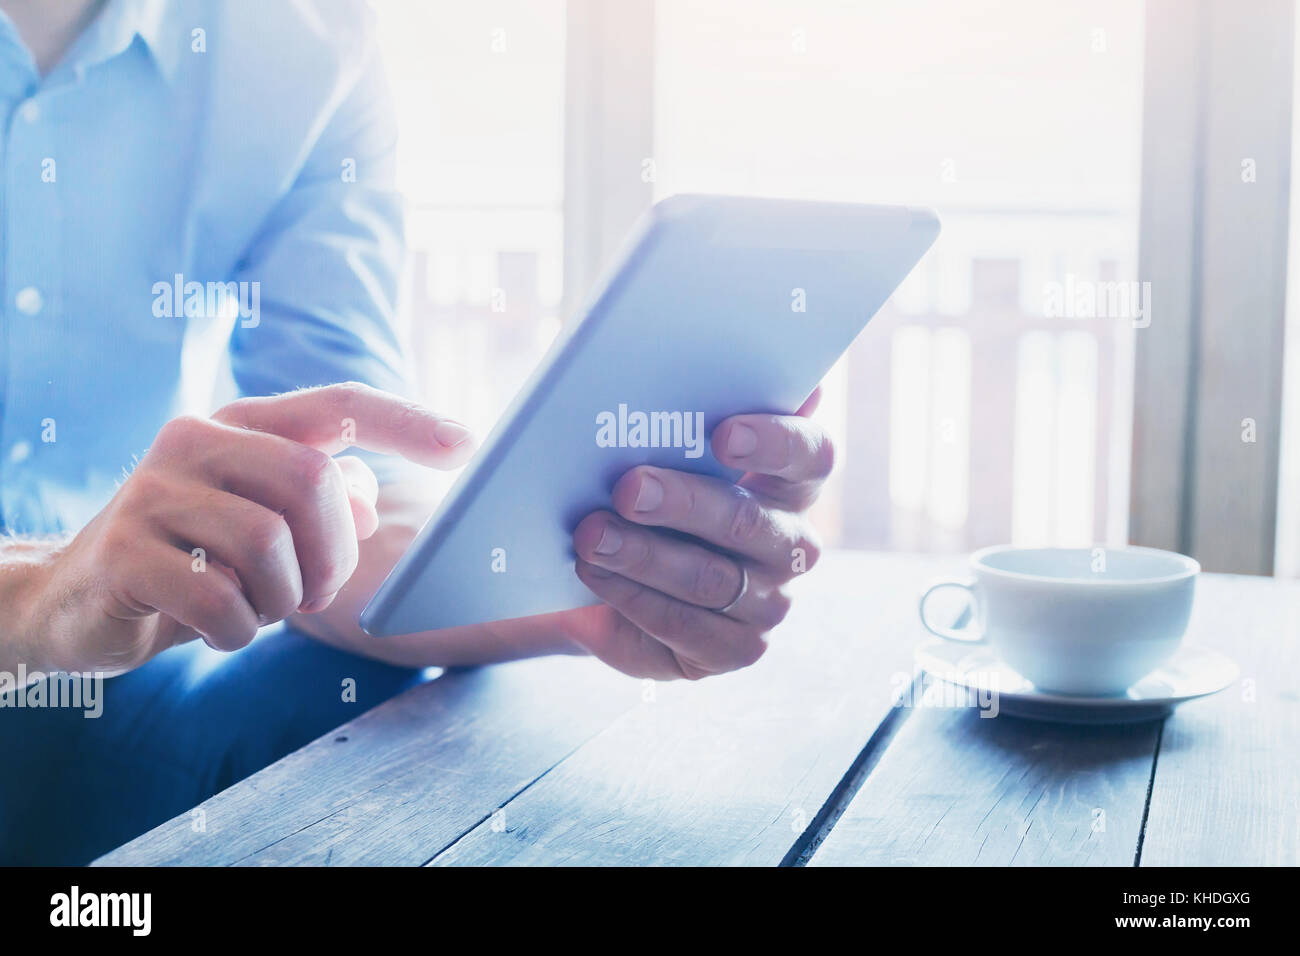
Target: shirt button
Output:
[
  {"x": 20, "y": 451},
  {"x": 29, "y": 300},
  {"x": 30, "y": 111}
]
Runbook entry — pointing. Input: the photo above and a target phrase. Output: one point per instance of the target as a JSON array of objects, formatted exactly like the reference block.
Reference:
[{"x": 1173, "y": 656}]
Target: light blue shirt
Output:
[{"x": 197, "y": 191}]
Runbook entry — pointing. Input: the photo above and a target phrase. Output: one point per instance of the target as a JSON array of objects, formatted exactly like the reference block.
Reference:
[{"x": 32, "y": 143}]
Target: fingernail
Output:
[
  {"x": 610, "y": 541},
  {"x": 311, "y": 607},
  {"x": 742, "y": 441},
  {"x": 650, "y": 495},
  {"x": 450, "y": 434}
]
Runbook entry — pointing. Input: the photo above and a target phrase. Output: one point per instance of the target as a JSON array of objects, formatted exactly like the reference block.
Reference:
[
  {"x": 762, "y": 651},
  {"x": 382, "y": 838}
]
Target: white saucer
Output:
[{"x": 1192, "y": 672}]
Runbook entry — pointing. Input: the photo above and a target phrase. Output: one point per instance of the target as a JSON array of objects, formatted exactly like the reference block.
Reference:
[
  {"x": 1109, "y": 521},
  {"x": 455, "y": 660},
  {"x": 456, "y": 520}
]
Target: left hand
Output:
[{"x": 693, "y": 569}]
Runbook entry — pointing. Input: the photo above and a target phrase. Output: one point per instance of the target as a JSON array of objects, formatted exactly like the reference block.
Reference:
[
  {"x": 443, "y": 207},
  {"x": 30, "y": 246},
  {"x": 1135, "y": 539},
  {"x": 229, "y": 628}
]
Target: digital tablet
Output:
[{"x": 719, "y": 306}]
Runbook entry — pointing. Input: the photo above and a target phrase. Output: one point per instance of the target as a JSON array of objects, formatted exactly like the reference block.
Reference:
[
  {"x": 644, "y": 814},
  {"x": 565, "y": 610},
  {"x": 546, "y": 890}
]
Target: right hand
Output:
[{"x": 254, "y": 487}]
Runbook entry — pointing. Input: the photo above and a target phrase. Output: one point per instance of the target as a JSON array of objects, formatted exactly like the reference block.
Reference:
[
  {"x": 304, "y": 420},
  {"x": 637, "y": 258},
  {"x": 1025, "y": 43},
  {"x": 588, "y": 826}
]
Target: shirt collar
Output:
[
  {"x": 117, "y": 27},
  {"x": 17, "y": 71}
]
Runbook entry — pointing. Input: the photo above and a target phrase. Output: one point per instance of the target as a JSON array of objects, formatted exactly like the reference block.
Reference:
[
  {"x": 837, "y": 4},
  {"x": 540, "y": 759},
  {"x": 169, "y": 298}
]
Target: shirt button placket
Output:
[
  {"x": 29, "y": 300},
  {"x": 30, "y": 258}
]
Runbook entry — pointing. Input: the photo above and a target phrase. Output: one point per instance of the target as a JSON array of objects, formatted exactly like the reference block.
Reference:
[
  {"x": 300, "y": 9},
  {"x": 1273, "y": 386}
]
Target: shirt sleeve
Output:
[{"x": 328, "y": 262}]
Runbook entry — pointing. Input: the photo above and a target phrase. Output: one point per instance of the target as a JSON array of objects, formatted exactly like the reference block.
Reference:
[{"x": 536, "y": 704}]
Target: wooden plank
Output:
[
  {"x": 404, "y": 780},
  {"x": 1227, "y": 784},
  {"x": 734, "y": 770},
  {"x": 954, "y": 788},
  {"x": 957, "y": 789}
]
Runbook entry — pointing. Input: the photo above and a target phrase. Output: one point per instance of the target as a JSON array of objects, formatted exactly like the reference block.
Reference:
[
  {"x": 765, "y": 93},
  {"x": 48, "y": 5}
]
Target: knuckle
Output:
[
  {"x": 336, "y": 570},
  {"x": 675, "y": 618},
  {"x": 118, "y": 544},
  {"x": 236, "y": 412},
  {"x": 716, "y": 582},
  {"x": 181, "y": 434},
  {"x": 690, "y": 500},
  {"x": 211, "y": 599},
  {"x": 147, "y": 485},
  {"x": 317, "y": 472},
  {"x": 645, "y": 554},
  {"x": 639, "y": 604},
  {"x": 403, "y": 416},
  {"x": 746, "y": 519},
  {"x": 825, "y": 455},
  {"x": 265, "y": 535},
  {"x": 344, "y": 395}
]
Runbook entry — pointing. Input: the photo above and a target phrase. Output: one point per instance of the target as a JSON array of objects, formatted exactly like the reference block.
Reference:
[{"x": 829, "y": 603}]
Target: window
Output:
[
  {"x": 479, "y": 89},
  {"x": 989, "y": 401},
  {"x": 1042, "y": 368}
]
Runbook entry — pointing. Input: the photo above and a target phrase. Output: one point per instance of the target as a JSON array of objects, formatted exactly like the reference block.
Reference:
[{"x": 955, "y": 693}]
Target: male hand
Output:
[
  {"x": 227, "y": 524},
  {"x": 680, "y": 606}
]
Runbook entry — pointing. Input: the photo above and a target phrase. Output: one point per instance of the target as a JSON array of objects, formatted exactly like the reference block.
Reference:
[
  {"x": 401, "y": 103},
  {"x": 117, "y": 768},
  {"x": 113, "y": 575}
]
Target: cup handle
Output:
[{"x": 960, "y": 635}]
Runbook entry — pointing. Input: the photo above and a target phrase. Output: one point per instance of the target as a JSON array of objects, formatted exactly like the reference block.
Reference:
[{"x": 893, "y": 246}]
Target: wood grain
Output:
[
  {"x": 563, "y": 761},
  {"x": 402, "y": 781},
  {"x": 736, "y": 769},
  {"x": 956, "y": 788},
  {"x": 1227, "y": 785}
]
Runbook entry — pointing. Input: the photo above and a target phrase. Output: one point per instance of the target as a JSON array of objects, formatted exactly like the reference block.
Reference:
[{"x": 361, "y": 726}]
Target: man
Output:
[{"x": 154, "y": 152}]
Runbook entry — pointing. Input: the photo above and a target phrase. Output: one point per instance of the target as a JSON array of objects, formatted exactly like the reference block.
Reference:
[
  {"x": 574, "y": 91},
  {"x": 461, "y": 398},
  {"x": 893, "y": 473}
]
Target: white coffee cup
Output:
[{"x": 1080, "y": 621}]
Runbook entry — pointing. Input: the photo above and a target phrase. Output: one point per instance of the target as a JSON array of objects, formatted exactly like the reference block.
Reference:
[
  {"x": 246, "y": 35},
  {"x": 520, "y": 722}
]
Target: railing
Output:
[
  {"x": 958, "y": 431},
  {"x": 1024, "y": 471}
]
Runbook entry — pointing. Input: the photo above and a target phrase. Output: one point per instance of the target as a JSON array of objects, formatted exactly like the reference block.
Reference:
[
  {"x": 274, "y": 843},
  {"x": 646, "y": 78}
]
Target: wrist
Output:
[
  {"x": 539, "y": 636},
  {"x": 26, "y": 568}
]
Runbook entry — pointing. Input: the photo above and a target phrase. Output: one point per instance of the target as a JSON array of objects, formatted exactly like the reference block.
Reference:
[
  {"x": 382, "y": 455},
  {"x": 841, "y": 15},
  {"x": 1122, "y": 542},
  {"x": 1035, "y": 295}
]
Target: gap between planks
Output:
[
  {"x": 510, "y": 799},
  {"x": 1151, "y": 786},
  {"x": 844, "y": 791},
  {"x": 854, "y": 778}
]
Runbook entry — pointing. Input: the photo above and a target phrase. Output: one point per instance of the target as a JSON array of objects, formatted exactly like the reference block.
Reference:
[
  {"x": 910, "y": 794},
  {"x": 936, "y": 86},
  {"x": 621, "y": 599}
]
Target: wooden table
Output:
[{"x": 801, "y": 759}]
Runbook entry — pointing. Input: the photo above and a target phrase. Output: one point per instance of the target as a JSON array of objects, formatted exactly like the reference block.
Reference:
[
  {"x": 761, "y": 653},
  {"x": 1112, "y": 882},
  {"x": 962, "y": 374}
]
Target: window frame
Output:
[
  {"x": 1197, "y": 377},
  {"x": 1197, "y": 485}
]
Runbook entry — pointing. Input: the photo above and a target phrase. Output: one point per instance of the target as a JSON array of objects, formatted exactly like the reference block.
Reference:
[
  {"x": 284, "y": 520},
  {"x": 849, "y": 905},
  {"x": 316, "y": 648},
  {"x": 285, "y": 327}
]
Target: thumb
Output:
[{"x": 363, "y": 494}]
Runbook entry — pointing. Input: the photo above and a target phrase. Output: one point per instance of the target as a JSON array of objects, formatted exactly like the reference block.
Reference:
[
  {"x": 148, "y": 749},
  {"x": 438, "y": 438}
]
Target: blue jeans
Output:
[{"x": 186, "y": 725}]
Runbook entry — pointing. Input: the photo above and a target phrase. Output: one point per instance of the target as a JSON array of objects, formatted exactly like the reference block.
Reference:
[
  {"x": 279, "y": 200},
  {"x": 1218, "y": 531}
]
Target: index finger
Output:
[{"x": 333, "y": 417}]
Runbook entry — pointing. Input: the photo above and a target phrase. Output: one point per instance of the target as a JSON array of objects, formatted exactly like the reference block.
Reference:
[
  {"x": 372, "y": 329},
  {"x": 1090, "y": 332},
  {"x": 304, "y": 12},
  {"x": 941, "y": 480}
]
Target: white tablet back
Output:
[{"x": 721, "y": 305}]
